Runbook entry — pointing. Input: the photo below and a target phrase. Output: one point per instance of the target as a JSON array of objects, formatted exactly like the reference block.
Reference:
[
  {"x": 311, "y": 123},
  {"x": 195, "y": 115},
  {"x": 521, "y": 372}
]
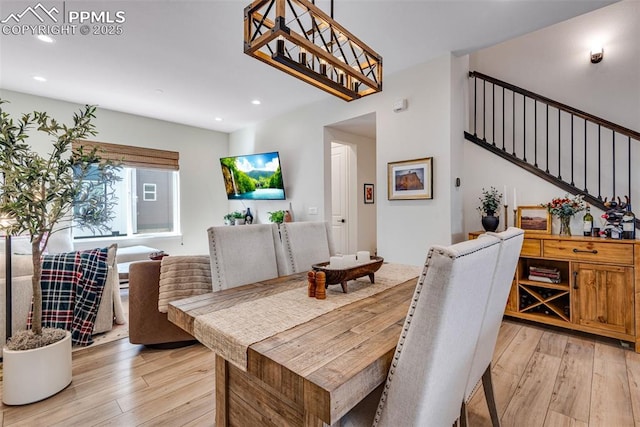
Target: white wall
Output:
[
  {"x": 554, "y": 62},
  {"x": 202, "y": 197},
  {"x": 405, "y": 229}
]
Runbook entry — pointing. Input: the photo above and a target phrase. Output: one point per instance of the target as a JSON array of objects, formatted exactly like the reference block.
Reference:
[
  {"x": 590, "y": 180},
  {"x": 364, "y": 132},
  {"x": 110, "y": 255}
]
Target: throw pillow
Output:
[{"x": 182, "y": 277}]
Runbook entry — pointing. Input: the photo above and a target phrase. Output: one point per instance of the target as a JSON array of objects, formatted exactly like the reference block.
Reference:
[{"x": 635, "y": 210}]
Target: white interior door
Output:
[{"x": 340, "y": 197}]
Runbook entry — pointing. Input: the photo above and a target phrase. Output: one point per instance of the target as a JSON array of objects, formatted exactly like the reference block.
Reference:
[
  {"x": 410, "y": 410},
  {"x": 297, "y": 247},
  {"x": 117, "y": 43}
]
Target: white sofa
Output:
[{"x": 21, "y": 293}]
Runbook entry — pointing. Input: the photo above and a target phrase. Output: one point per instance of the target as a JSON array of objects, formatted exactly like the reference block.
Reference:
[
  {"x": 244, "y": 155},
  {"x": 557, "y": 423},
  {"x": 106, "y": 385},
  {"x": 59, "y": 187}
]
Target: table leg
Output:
[
  {"x": 344, "y": 286},
  {"x": 222, "y": 392}
]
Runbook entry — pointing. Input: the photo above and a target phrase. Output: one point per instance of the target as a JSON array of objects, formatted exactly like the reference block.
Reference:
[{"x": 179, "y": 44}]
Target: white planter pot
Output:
[{"x": 33, "y": 375}]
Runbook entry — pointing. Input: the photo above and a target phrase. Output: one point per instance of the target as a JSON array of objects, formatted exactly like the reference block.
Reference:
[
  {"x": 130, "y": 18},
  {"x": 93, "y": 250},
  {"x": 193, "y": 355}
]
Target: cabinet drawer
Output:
[
  {"x": 531, "y": 247},
  {"x": 601, "y": 252}
]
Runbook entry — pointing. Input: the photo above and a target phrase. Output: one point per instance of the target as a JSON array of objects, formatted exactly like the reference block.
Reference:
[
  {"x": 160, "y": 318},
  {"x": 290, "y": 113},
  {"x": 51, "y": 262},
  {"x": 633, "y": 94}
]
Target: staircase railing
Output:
[{"x": 576, "y": 151}]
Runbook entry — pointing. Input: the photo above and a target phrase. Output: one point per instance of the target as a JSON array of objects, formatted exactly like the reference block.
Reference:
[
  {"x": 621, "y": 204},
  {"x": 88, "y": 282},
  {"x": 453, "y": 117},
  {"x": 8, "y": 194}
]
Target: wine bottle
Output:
[
  {"x": 629, "y": 224},
  {"x": 587, "y": 222}
]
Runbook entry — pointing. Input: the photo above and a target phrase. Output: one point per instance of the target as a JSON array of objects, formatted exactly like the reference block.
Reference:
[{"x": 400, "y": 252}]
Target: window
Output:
[{"x": 147, "y": 193}]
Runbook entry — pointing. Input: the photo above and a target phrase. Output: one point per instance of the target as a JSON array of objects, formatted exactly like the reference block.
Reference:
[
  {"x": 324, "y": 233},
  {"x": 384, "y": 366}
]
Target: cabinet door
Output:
[{"x": 602, "y": 297}]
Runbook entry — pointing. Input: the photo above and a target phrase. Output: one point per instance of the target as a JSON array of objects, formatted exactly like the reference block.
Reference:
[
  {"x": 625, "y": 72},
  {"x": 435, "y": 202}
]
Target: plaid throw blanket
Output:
[{"x": 72, "y": 285}]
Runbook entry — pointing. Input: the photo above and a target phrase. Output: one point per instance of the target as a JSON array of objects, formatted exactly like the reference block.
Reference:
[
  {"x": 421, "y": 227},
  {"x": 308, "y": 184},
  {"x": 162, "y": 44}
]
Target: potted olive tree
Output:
[{"x": 38, "y": 193}]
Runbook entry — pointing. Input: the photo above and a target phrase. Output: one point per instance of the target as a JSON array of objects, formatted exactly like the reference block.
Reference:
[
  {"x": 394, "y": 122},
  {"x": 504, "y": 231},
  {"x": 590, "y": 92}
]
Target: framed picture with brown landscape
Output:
[
  {"x": 410, "y": 179},
  {"x": 534, "y": 219}
]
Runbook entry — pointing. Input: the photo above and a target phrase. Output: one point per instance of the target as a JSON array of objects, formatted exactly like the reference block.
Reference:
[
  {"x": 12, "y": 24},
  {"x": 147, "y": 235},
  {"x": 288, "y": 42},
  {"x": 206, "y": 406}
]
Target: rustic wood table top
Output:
[{"x": 333, "y": 360}]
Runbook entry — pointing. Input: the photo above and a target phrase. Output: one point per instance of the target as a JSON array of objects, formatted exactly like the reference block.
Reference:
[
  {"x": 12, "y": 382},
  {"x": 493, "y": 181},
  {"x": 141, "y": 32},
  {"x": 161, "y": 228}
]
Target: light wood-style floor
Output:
[{"x": 541, "y": 377}]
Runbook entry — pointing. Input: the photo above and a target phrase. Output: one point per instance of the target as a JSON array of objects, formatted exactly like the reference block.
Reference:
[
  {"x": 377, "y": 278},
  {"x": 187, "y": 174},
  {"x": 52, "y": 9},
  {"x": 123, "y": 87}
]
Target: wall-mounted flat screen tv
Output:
[{"x": 253, "y": 177}]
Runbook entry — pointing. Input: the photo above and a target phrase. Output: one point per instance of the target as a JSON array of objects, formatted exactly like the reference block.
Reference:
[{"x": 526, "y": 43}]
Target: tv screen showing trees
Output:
[{"x": 253, "y": 177}]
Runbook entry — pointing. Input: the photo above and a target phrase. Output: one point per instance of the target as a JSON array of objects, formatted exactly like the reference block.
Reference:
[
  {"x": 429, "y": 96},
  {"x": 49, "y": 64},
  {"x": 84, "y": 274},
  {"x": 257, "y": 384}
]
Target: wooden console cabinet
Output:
[{"x": 599, "y": 288}]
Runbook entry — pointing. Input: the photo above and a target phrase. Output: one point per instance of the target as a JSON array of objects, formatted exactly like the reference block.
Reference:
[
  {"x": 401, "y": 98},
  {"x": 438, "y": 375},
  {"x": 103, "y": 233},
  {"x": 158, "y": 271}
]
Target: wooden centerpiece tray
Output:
[{"x": 343, "y": 275}]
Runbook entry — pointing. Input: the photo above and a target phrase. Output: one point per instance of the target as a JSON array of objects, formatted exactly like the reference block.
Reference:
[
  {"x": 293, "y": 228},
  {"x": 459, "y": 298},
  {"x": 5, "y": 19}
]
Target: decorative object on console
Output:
[
  {"x": 316, "y": 49},
  {"x": 276, "y": 217},
  {"x": 489, "y": 206},
  {"x": 618, "y": 220},
  {"x": 533, "y": 219},
  {"x": 565, "y": 208},
  {"x": 248, "y": 217},
  {"x": 410, "y": 179}
]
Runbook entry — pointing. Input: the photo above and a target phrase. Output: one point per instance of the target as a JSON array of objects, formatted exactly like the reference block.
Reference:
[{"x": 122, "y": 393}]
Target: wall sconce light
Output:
[{"x": 596, "y": 55}]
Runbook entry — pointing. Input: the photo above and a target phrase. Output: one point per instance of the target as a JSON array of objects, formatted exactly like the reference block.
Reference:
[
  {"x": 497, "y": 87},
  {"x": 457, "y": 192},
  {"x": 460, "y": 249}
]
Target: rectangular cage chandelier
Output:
[{"x": 298, "y": 38}]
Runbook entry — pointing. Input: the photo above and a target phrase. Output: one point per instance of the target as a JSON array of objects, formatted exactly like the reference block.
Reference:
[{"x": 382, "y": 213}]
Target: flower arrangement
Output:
[
  {"x": 566, "y": 206},
  {"x": 490, "y": 201}
]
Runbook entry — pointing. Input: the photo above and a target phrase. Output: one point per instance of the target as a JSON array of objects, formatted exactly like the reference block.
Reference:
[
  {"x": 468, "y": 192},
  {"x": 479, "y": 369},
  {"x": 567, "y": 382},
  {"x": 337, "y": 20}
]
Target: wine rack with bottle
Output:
[{"x": 589, "y": 284}]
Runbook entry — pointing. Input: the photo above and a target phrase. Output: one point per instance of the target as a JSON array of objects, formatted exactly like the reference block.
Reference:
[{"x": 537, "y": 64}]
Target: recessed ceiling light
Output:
[
  {"x": 256, "y": 102},
  {"x": 39, "y": 78},
  {"x": 218, "y": 119},
  {"x": 45, "y": 39}
]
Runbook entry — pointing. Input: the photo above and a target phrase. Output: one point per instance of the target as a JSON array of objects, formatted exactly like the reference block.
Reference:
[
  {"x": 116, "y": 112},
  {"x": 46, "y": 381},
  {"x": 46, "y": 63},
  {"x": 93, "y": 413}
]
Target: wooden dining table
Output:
[{"x": 284, "y": 359}]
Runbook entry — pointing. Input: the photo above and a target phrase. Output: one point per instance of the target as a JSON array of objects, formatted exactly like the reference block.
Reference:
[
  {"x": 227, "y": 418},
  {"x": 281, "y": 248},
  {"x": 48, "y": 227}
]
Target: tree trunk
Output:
[{"x": 36, "y": 258}]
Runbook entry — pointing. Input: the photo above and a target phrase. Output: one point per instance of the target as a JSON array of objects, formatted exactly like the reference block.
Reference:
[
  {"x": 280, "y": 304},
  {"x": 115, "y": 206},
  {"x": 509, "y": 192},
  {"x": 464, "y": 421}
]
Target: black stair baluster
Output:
[
  {"x": 599, "y": 165},
  {"x": 475, "y": 106},
  {"x": 547, "y": 161},
  {"x": 524, "y": 128},
  {"x": 559, "y": 174},
  {"x": 513, "y": 108},
  {"x": 535, "y": 133},
  {"x": 503, "y": 119},
  {"x": 585, "y": 156},
  {"x": 484, "y": 112},
  {"x": 613, "y": 158},
  {"x": 493, "y": 113},
  {"x": 629, "y": 165},
  {"x": 572, "y": 158}
]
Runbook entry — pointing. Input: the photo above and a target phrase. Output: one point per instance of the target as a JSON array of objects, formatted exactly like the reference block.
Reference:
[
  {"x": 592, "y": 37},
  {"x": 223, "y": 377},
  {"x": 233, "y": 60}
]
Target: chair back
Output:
[
  {"x": 430, "y": 368},
  {"x": 243, "y": 254},
  {"x": 306, "y": 243},
  {"x": 510, "y": 246}
]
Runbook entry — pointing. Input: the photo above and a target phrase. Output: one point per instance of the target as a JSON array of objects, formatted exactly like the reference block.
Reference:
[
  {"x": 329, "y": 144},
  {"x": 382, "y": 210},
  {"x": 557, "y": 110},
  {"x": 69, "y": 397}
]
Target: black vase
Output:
[
  {"x": 248, "y": 218},
  {"x": 490, "y": 222}
]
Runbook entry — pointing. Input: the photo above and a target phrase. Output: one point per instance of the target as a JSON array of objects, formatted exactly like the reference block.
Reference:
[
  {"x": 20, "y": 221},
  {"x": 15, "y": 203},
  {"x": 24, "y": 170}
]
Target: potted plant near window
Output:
[
  {"x": 37, "y": 193},
  {"x": 489, "y": 207}
]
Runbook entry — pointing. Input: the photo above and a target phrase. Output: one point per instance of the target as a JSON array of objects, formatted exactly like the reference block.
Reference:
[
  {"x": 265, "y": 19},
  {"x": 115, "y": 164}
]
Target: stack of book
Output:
[{"x": 544, "y": 274}]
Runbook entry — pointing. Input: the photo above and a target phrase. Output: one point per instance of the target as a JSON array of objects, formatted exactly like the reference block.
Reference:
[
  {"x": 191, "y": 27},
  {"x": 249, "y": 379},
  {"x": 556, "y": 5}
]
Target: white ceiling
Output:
[{"x": 182, "y": 61}]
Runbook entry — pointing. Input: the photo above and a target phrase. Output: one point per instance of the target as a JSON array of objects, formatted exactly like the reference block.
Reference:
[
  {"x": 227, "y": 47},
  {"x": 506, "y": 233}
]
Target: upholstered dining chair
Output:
[
  {"x": 510, "y": 246},
  {"x": 243, "y": 254},
  {"x": 431, "y": 365},
  {"x": 306, "y": 243}
]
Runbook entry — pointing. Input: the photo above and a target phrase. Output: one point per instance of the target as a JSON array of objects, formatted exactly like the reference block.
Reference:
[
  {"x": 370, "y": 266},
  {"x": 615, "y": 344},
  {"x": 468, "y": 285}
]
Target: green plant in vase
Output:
[
  {"x": 276, "y": 216},
  {"x": 490, "y": 208}
]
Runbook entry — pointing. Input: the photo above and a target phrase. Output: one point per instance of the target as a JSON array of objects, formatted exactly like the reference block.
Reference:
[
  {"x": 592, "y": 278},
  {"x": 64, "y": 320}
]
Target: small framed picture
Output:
[
  {"x": 368, "y": 194},
  {"x": 534, "y": 219},
  {"x": 410, "y": 179}
]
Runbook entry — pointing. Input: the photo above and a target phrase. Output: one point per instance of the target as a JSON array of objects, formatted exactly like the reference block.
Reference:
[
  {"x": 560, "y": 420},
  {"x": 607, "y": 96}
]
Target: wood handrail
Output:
[{"x": 578, "y": 113}]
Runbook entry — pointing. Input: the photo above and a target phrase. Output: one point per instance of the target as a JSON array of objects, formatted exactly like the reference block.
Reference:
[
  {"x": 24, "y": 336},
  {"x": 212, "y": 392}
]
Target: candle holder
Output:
[
  {"x": 506, "y": 217},
  {"x": 515, "y": 212}
]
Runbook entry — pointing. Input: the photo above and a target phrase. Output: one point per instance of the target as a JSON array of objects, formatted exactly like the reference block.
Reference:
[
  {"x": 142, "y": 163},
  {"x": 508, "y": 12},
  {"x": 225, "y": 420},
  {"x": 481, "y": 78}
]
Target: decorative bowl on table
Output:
[{"x": 342, "y": 275}]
